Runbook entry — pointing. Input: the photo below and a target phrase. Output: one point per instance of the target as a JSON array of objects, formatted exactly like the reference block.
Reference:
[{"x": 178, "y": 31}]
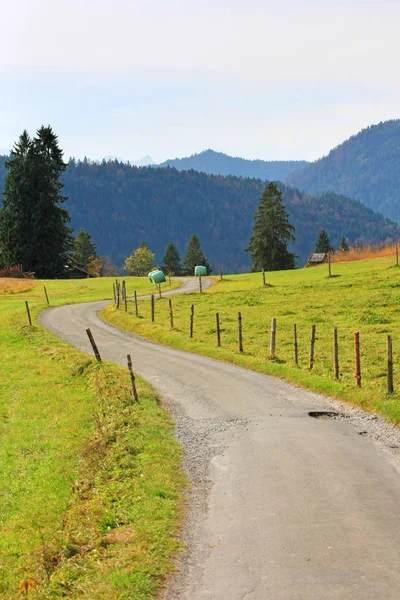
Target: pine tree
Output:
[
  {"x": 33, "y": 226},
  {"x": 84, "y": 250},
  {"x": 272, "y": 232},
  {"x": 171, "y": 260},
  {"x": 344, "y": 246},
  {"x": 323, "y": 243},
  {"x": 195, "y": 257}
]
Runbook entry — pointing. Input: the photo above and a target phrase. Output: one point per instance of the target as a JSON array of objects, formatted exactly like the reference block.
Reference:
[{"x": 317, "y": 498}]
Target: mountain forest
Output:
[
  {"x": 365, "y": 167},
  {"x": 121, "y": 206}
]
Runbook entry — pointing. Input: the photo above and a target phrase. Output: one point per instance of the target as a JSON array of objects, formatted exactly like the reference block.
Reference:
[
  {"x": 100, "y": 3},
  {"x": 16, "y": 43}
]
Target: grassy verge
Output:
[
  {"x": 90, "y": 482},
  {"x": 362, "y": 296}
]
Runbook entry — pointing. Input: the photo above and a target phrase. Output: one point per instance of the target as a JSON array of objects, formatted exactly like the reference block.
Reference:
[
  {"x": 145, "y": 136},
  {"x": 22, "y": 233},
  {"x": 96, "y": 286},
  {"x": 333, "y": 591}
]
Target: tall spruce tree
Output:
[
  {"x": 33, "y": 226},
  {"x": 195, "y": 257},
  {"x": 344, "y": 246},
  {"x": 172, "y": 260},
  {"x": 84, "y": 250},
  {"x": 272, "y": 232},
  {"x": 323, "y": 243}
]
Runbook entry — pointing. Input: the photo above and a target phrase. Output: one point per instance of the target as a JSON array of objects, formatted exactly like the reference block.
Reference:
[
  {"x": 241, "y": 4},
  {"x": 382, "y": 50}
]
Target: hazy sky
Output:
[{"x": 252, "y": 78}]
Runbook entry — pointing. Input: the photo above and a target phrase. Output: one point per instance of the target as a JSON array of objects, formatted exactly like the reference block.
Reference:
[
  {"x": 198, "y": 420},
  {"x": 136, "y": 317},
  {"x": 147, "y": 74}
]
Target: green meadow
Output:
[
  {"x": 91, "y": 485},
  {"x": 361, "y": 296}
]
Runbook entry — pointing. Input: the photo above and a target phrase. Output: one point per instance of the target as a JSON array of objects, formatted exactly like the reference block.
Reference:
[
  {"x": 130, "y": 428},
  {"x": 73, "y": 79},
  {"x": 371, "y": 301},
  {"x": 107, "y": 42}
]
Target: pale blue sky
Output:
[{"x": 250, "y": 78}]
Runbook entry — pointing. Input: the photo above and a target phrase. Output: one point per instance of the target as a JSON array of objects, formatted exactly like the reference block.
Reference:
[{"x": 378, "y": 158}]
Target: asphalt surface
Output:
[{"x": 283, "y": 506}]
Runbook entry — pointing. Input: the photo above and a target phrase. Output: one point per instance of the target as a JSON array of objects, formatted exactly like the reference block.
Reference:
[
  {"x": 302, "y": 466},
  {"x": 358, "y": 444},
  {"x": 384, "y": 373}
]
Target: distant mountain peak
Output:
[{"x": 217, "y": 163}]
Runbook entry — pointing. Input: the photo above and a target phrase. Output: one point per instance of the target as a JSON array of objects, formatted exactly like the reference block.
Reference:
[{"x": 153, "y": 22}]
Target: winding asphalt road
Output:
[{"x": 284, "y": 506}]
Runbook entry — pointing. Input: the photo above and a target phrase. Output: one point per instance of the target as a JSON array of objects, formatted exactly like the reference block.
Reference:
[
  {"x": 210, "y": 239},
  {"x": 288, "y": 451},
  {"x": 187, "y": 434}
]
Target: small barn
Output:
[
  {"x": 317, "y": 258},
  {"x": 78, "y": 273}
]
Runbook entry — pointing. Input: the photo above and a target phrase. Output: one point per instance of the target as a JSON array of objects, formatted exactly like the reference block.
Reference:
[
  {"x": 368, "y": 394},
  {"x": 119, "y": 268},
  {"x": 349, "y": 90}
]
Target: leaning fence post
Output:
[
  {"x": 240, "y": 332},
  {"x": 335, "y": 353},
  {"x": 357, "y": 358},
  {"x": 171, "y": 314},
  {"x": 152, "y": 308},
  {"x": 94, "y": 346},
  {"x": 191, "y": 320},
  {"x": 134, "y": 390},
  {"x": 312, "y": 344},
  {"x": 29, "y": 313},
  {"x": 390, "y": 388},
  {"x": 136, "y": 304},
  {"x": 218, "y": 330},
  {"x": 295, "y": 345},
  {"x": 273, "y": 338},
  {"x": 47, "y": 298}
]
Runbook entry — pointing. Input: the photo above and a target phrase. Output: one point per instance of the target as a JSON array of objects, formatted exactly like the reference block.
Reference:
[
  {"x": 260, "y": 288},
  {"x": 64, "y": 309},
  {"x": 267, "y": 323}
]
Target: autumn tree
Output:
[
  {"x": 272, "y": 232},
  {"x": 140, "y": 262}
]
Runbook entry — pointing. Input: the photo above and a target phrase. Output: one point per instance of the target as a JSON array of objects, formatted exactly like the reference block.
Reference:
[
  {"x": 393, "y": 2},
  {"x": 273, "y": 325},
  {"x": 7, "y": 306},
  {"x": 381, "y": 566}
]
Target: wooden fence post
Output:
[
  {"x": 220, "y": 273},
  {"x": 273, "y": 339},
  {"x": 390, "y": 388},
  {"x": 94, "y": 346},
  {"x": 312, "y": 344},
  {"x": 115, "y": 293},
  {"x": 218, "y": 330},
  {"x": 397, "y": 255},
  {"x": 200, "y": 285},
  {"x": 171, "y": 314},
  {"x": 335, "y": 353},
  {"x": 134, "y": 390},
  {"x": 125, "y": 298},
  {"x": 118, "y": 293},
  {"x": 47, "y": 298},
  {"x": 152, "y": 308},
  {"x": 191, "y": 320},
  {"x": 263, "y": 276},
  {"x": 357, "y": 358},
  {"x": 136, "y": 304},
  {"x": 329, "y": 264},
  {"x": 29, "y": 313},
  {"x": 240, "y": 332},
  {"x": 159, "y": 290},
  {"x": 295, "y": 345}
]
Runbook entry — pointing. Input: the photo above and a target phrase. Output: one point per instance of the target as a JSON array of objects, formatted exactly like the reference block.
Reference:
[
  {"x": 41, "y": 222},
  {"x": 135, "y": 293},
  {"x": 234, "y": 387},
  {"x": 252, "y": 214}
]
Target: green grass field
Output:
[
  {"x": 362, "y": 296},
  {"x": 91, "y": 484}
]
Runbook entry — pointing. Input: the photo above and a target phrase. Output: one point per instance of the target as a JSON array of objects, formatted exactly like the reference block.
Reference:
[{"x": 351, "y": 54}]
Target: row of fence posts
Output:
[{"x": 272, "y": 345}]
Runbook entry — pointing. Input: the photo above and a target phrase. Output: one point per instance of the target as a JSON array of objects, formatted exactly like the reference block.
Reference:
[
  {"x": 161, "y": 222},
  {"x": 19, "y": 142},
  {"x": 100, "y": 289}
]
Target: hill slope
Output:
[
  {"x": 365, "y": 167},
  {"x": 121, "y": 205},
  {"x": 217, "y": 163}
]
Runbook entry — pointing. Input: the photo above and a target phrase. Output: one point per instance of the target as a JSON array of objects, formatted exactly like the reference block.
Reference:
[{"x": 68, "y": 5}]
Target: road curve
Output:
[{"x": 284, "y": 506}]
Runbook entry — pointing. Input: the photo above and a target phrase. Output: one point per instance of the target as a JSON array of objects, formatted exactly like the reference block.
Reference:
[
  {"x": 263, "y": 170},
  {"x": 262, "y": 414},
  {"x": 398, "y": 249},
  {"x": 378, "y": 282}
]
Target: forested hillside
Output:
[
  {"x": 121, "y": 205},
  {"x": 365, "y": 167},
  {"x": 217, "y": 163}
]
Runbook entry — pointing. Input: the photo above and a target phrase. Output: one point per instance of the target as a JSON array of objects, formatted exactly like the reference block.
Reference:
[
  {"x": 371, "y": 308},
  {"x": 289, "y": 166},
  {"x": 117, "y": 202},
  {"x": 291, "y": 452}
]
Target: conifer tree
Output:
[
  {"x": 171, "y": 260},
  {"x": 195, "y": 257},
  {"x": 323, "y": 243},
  {"x": 344, "y": 246},
  {"x": 84, "y": 250},
  {"x": 33, "y": 226},
  {"x": 272, "y": 232}
]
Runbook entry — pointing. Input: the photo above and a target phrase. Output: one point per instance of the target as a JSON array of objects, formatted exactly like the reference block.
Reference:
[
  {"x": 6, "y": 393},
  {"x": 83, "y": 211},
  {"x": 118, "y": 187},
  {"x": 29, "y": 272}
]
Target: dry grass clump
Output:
[
  {"x": 365, "y": 253},
  {"x": 10, "y": 285}
]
